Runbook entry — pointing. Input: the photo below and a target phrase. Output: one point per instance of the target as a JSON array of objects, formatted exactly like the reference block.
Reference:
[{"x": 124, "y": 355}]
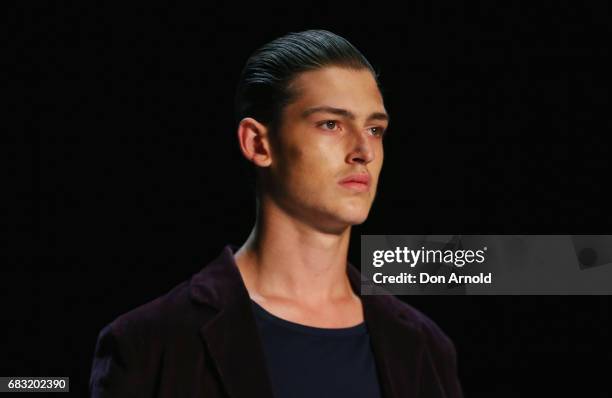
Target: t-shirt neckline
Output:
[{"x": 346, "y": 331}]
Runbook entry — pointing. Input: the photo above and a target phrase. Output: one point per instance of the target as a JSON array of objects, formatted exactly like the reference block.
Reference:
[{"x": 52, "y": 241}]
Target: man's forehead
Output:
[{"x": 348, "y": 93}]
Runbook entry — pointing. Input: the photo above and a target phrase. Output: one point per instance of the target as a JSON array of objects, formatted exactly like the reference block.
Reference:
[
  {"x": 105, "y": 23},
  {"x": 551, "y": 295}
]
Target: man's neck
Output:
[{"x": 284, "y": 259}]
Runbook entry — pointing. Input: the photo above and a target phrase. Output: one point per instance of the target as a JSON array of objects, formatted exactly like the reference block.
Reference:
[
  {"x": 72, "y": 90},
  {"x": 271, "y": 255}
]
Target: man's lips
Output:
[{"x": 359, "y": 182}]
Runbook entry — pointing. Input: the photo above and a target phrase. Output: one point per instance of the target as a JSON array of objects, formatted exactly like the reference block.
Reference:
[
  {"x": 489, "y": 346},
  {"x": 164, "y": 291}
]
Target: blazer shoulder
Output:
[
  {"x": 128, "y": 348},
  {"x": 167, "y": 315},
  {"x": 436, "y": 338},
  {"x": 150, "y": 323}
]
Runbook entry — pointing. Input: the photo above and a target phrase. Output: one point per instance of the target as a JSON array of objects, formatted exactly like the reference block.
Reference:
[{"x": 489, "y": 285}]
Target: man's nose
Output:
[{"x": 361, "y": 146}]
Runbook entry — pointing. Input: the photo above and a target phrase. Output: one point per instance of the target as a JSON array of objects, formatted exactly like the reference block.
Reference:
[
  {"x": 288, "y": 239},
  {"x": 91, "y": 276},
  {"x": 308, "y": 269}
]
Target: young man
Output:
[{"x": 282, "y": 316}]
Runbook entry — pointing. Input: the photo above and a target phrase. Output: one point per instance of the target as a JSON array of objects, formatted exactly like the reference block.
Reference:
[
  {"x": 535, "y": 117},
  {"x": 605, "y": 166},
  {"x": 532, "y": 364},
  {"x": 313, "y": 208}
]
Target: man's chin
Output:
[
  {"x": 338, "y": 223},
  {"x": 359, "y": 221},
  {"x": 355, "y": 218}
]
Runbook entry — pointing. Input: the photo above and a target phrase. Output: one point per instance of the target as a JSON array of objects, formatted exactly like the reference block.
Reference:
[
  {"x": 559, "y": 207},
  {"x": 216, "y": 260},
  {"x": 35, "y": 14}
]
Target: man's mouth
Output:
[{"x": 357, "y": 182}]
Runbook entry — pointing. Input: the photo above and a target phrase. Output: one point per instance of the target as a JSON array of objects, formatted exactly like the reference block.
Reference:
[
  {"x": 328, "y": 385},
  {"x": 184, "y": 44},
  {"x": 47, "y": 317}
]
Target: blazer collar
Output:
[{"x": 232, "y": 334}]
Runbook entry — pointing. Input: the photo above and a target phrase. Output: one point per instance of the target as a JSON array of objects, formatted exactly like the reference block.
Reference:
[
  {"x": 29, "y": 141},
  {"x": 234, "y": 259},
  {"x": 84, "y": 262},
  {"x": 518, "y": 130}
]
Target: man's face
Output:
[{"x": 315, "y": 150}]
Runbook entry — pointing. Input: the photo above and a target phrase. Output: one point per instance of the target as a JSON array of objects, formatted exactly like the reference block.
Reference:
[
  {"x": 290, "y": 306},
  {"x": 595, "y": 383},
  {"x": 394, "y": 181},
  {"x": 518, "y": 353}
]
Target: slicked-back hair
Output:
[{"x": 263, "y": 88}]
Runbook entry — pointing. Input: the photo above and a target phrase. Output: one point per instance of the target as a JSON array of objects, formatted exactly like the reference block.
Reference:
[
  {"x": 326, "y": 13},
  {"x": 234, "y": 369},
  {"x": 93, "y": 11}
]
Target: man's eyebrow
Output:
[{"x": 343, "y": 112}]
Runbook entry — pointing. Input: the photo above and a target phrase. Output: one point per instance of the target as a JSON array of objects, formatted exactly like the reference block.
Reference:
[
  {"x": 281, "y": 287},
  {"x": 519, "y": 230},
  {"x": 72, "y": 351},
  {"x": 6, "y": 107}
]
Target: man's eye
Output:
[
  {"x": 327, "y": 123},
  {"x": 379, "y": 131}
]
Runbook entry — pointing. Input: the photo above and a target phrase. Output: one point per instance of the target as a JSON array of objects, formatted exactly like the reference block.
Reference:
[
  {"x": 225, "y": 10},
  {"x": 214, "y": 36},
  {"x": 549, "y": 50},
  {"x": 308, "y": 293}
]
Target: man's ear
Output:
[{"x": 254, "y": 142}]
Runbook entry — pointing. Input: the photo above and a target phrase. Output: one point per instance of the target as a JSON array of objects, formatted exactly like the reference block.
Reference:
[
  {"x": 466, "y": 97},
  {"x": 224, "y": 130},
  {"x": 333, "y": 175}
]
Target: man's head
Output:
[{"x": 310, "y": 113}]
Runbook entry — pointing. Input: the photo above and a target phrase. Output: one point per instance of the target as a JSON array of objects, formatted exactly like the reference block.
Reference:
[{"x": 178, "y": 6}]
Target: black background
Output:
[{"x": 500, "y": 124}]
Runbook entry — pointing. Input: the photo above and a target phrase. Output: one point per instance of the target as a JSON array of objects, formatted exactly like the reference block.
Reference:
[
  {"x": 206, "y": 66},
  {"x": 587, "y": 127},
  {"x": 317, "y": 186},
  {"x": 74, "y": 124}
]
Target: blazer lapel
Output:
[
  {"x": 231, "y": 336},
  {"x": 397, "y": 343}
]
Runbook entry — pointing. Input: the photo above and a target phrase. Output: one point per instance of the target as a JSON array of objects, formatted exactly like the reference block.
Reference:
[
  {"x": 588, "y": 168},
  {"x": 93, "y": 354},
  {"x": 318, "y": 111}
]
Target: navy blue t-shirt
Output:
[{"x": 306, "y": 361}]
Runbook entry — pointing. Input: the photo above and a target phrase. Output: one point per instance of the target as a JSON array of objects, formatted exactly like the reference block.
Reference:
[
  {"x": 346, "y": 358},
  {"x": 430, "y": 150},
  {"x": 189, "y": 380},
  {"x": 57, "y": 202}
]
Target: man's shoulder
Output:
[
  {"x": 130, "y": 348},
  {"x": 168, "y": 313},
  {"x": 184, "y": 307},
  {"x": 439, "y": 355},
  {"x": 157, "y": 309}
]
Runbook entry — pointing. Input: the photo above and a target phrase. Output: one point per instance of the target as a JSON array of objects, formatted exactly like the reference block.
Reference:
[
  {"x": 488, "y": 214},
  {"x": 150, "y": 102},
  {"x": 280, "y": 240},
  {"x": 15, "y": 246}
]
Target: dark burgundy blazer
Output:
[{"x": 201, "y": 340}]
